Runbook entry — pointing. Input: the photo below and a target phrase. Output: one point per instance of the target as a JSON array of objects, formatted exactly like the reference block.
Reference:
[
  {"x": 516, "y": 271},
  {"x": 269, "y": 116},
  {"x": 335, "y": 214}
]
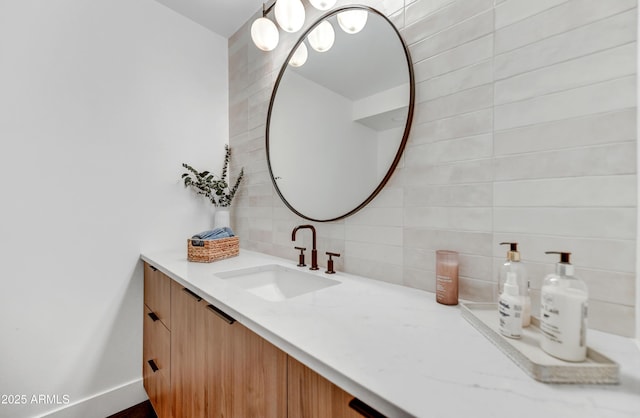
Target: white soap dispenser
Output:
[
  {"x": 510, "y": 308},
  {"x": 514, "y": 265},
  {"x": 563, "y": 312}
]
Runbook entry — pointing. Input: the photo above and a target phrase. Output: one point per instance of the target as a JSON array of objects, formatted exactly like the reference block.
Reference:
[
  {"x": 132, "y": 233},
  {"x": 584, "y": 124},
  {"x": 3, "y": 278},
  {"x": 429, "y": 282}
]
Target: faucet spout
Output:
[{"x": 314, "y": 251}]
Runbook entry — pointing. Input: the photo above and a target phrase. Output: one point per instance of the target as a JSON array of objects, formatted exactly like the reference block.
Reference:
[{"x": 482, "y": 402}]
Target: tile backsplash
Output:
[{"x": 524, "y": 129}]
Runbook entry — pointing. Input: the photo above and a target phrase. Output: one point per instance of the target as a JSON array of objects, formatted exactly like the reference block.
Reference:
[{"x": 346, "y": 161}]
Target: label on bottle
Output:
[
  {"x": 510, "y": 311},
  {"x": 442, "y": 282},
  {"x": 563, "y": 323},
  {"x": 446, "y": 290}
]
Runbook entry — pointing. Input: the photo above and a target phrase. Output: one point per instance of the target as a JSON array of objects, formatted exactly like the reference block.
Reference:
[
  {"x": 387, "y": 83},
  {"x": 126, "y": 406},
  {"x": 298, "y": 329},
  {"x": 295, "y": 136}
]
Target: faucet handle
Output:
[
  {"x": 330, "y": 262},
  {"x": 301, "y": 257}
]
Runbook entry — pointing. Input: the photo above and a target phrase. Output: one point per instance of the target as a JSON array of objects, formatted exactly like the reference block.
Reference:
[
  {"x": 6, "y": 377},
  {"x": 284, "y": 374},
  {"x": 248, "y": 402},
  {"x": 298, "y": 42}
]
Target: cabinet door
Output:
[
  {"x": 218, "y": 359},
  {"x": 188, "y": 368},
  {"x": 312, "y": 396},
  {"x": 156, "y": 364},
  {"x": 157, "y": 293},
  {"x": 247, "y": 376},
  {"x": 259, "y": 375}
]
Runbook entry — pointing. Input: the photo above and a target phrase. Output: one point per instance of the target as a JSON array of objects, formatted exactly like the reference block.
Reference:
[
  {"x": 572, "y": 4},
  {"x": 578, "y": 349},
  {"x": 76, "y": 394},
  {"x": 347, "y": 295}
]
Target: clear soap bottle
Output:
[
  {"x": 563, "y": 312},
  {"x": 514, "y": 265}
]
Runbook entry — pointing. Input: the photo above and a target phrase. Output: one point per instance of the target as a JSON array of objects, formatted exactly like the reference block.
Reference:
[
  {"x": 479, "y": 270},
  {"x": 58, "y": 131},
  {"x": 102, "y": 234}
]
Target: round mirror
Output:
[{"x": 340, "y": 114}]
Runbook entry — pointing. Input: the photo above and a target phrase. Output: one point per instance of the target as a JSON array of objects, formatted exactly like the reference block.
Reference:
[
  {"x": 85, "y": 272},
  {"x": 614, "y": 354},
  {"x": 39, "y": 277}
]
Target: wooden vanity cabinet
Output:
[
  {"x": 156, "y": 351},
  {"x": 246, "y": 375},
  {"x": 157, "y": 293},
  {"x": 219, "y": 367},
  {"x": 209, "y": 365}
]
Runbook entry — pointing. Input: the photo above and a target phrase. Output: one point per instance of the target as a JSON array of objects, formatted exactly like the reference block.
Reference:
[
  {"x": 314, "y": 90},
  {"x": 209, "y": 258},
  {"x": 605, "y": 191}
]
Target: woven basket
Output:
[{"x": 208, "y": 250}]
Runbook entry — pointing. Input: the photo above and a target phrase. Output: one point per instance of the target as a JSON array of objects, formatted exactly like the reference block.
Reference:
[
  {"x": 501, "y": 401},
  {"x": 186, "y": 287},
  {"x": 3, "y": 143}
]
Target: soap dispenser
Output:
[
  {"x": 563, "y": 312},
  {"x": 510, "y": 308},
  {"x": 514, "y": 265}
]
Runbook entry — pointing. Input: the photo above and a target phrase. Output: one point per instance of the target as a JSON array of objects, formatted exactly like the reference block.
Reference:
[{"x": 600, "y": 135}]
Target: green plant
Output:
[{"x": 215, "y": 189}]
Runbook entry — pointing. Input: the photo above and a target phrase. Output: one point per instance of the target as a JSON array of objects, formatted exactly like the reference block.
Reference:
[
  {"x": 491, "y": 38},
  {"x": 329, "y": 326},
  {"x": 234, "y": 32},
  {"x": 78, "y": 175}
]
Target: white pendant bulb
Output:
[
  {"x": 352, "y": 21},
  {"x": 300, "y": 56},
  {"x": 289, "y": 15},
  {"x": 264, "y": 34},
  {"x": 322, "y": 37},
  {"x": 322, "y": 4}
]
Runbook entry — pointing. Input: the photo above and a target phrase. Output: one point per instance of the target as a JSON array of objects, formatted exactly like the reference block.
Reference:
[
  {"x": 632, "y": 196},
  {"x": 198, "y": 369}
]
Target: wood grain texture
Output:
[
  {"x": 312, "y": 396},
  {"x": 259, "y": 376},
  {"x": 246, "y": 375},
  {"x": 218, "y": 354},
  {"x": 157, "y": 348},
  {"x": 188, "y": 369},
  {"x": 157, "y": 294}
]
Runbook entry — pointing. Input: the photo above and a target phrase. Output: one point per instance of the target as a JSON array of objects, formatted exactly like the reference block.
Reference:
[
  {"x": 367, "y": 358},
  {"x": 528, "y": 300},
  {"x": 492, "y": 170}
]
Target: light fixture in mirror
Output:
[
  {"x": 337, "y": 126},
  {"x": 264, "y": 34},
  {"x": 322, "y": 37},
  {"x": 352, "y": 21},
  {"x": 300, "y": 56},
  {"x": 322, "y": 4},
  {"x": 289, "y": 15}
]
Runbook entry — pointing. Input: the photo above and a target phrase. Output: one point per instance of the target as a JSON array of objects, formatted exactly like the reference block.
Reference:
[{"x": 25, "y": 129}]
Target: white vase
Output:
[{"x": 221, "y": 218}]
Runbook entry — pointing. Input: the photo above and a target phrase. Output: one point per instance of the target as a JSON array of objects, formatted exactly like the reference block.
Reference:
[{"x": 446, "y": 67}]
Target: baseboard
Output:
[{"x": 103, "y": 404}]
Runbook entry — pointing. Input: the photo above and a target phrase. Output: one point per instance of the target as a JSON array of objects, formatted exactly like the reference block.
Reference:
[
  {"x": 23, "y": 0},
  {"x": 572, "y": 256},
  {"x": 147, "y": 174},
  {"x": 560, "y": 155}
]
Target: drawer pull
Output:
[
  {"x": 198, "y": 298},
  {"x": 153, "y": 316},
  {"x": 152, "y": 268},
  {"x": 226, "y": 318},
  {"x": 153, "y": 365},
  {"x": 364, "y": 409}
]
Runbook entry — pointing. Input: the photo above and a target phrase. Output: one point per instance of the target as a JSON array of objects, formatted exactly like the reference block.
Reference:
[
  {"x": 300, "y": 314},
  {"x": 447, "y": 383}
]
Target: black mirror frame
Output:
[{"x": 408, "y": 123}]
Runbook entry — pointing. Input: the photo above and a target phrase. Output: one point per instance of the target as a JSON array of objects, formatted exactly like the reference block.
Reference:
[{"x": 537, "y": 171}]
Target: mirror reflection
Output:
[{"x": 339, "y": 114}]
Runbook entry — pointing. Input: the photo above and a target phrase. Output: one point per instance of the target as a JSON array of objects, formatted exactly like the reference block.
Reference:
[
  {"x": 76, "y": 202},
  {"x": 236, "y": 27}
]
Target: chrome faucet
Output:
[{"x": 314, "y": 251}]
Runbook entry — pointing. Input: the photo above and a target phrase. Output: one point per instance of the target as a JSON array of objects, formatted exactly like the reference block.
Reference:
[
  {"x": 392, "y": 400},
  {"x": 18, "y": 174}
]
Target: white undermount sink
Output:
[{"x": 276, "y": 283}]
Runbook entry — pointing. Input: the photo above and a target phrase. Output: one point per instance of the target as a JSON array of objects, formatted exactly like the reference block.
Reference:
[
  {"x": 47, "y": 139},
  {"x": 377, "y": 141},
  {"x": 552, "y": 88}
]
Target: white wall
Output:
[
  {"x": 101, "y": 102},
  {"x": 344, "y": 143}
]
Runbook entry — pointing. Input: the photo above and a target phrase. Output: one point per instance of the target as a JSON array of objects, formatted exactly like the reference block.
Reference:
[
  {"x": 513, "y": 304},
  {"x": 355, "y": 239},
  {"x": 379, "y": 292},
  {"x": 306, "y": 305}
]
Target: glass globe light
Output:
[
  {"x": 264, "y": 34},
  {"x": 352, "y": 21},
  {"x": 289, "y": 15},
  {"x": 322, "y": 4},
  {"x": 300, "y": 56},
  {"x": 322, "y": 37}
]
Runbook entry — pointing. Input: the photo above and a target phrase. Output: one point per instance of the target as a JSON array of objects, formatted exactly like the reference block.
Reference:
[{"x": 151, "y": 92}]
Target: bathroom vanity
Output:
[{"x": 223, "y": 339}]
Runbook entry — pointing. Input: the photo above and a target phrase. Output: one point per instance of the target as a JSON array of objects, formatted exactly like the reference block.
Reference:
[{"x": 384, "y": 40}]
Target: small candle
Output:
[{"x": 447, "y": 277}]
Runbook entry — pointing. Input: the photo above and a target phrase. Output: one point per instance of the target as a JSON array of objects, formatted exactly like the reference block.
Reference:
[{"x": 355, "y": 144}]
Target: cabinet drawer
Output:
[
  {"x": 156, "y": 364},
  {"x": 157, "y": 293}
]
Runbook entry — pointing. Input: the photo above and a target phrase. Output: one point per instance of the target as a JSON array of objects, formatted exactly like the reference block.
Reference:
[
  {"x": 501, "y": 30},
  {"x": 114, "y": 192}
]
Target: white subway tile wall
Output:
[{"x": 524, "y": 130}]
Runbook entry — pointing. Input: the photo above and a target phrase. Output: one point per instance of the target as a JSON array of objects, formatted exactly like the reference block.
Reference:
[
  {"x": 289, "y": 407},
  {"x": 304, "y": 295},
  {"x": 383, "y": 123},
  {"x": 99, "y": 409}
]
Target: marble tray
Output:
[{"x": 527, "y": 354}]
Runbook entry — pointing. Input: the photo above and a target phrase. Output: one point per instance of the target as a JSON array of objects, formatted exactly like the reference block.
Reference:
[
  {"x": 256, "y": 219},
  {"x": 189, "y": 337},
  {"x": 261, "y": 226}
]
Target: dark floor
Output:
[{"x": 142, "y": 410}]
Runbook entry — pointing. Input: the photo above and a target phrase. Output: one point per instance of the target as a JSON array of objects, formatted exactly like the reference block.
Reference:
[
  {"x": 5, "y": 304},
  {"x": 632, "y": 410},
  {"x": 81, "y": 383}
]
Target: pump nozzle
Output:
[
  {"x": 564, "y": 257},
  {"x": 512, "y": 254},
  {"x": 564, "y": 267}
]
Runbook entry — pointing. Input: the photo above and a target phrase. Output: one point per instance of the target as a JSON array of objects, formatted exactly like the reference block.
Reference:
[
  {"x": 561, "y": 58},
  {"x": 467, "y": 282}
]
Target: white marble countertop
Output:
[{"x": 399, "y": 351}]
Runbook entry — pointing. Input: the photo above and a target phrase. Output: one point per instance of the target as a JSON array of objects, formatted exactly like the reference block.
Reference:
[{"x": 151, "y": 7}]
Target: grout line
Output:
[
  {"x": 565, "y": 31},
  {"x": 563, "y": 61},
  {"x": 559, "y": 92},
  {"x": 579, "y": 147},
  {"x": 572, "y": 118},
  {"x": 532, "y": 15}
]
